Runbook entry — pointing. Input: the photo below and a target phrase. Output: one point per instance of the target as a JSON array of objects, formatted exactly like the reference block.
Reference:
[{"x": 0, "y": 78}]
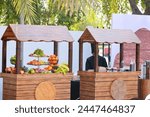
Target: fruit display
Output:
[
  {"x": 35, "y": 55},
  {"x": 37, "y": 70},
  {"x": 24, "y": 70},
  {"x": 53, "y": 59},
  {"x": 38, "y": 53},
  {"x": 13, "y": 70},
  {"x": 63, "y": 68},
  {"x": 10, "y": 70},
  {"x": 37, "y": 62},
  {"x": 52, "y": 67},
  {"x": 48, "y": 68},
  {"x": 31, "y": 71},
  {"x": 13, "y": 60}
]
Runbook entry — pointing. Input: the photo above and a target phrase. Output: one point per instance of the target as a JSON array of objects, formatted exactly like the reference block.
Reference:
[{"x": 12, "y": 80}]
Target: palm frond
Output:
[{"x": 26, "y": 7}]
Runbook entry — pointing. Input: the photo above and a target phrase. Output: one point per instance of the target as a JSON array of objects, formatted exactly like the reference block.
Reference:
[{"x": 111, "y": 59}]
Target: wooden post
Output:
[
  {"x": 4, "y": 55},
  {"x": 22, "y": 45},
  {"x": 18, "y": 57},
  {"x": 109, "y": 59},
  {"x": 70, "y": 53},
  {"x": 137, "y": 57},
  {"x": 96, "y": 57},
  {"x": 121, "y": 55},
  {"x": 103, "y": 47},
  {"x": 80, "y": 56},
  {"x": 56, "y": 48}
]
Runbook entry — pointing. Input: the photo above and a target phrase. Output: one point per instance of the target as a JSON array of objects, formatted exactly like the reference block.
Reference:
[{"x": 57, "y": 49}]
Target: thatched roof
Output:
[
  {"x": 37, "y": 33},
  {"x": 109, "y": 36}
]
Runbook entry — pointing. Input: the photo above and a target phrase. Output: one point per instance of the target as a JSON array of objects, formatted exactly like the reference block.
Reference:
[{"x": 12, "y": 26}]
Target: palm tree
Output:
[
  {"x": 25, "y": 9},
  {"x": 74, "y": 5},
  {"x": 10, "y": 11},
  {"x": 41, "y": 11},
  {"x": 28, "y": 9}
]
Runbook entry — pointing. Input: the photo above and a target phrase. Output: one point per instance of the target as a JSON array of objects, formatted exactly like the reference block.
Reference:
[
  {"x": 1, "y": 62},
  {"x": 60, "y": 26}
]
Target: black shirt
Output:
[{"x": 90, "y": 62}]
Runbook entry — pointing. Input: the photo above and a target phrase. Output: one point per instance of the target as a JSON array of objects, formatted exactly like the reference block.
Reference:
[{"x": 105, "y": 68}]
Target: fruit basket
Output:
[
  {"x": 38, "y": 53},
  {"x": 51, "y": 83}
]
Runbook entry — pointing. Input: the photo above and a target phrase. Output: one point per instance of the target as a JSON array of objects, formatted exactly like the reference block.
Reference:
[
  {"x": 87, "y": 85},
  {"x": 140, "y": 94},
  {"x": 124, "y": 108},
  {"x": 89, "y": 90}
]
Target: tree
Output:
[
  {"x": 144, "y": 3},
  {"x": 76, "y": 14},
  {"x": 7, "y": 12},
  {"x": 107, "y": 7},
  {"x": 26, "y": 8},
  {"x": 11, "y": 10},
  {"x": 75, "y": 5}
]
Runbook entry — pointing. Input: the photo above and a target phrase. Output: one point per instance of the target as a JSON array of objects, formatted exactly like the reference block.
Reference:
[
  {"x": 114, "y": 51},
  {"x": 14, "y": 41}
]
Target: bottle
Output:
[
  {"x": 122, "y": 66},
  {"x": 132, "y": 66},
  {"x": 144, "y": 70}
]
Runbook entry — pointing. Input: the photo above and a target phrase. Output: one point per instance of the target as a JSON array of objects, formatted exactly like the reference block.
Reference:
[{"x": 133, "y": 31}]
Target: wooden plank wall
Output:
[
  {"x": 97, "y": 86},
  {"x": 23, "y": 87},
  {"x": 144, "y": 88}
]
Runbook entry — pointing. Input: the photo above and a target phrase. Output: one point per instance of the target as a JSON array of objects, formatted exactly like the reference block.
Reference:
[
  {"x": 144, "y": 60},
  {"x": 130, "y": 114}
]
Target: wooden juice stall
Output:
[
  {"x": 144, "y": 83},
  {"x": 107, "y": 85},
  {"x": 36, "y": 86}
]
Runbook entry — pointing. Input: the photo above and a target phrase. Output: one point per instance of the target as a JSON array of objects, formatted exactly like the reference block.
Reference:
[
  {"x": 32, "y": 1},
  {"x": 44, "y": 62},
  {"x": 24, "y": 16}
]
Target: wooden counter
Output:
[
  {"x": 144, "y": 88},
  {"x": 23, "y": 87},
  {"x": 103, "y": 85}
]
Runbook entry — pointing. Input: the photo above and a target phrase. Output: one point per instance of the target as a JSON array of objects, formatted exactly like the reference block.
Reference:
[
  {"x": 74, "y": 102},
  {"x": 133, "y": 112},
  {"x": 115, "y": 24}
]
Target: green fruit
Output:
[
  {"x": 39, "y": 52},
  {"x": 13, "y": 60},
  {"x": 32, "y": 71},
  {"x": 63, "y": 68}
]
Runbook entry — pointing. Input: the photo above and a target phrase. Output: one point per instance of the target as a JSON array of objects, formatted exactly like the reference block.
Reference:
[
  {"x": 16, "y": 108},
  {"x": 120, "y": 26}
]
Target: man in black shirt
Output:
[{"x": 90, "y": 61}]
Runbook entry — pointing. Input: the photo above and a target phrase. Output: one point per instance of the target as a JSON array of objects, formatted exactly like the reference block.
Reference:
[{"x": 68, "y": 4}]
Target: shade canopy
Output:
[
  {"x": 109, "y": 36},
  {"x": 37, "y": 33}
]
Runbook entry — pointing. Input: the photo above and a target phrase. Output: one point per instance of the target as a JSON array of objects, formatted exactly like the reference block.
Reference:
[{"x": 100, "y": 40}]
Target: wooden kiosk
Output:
[
  {"x": 36, "y": 86},
  {"x": 108, "y": 85},
  {"x": 144, "y": 84}
]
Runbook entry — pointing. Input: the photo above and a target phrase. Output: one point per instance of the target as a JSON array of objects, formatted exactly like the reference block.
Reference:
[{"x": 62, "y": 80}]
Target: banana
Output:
[{"x": 65, "y": 67}]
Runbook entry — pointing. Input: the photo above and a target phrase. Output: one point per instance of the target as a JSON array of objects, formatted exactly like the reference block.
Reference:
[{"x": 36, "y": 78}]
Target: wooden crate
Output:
[
  {"x": 22, "y": 87},
  {"x": 97, "y": 86}
]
